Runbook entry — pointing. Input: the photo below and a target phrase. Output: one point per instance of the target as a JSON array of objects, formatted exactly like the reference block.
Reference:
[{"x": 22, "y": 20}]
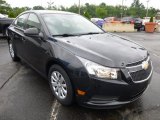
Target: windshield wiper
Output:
[
  {"x": 91, "y": 33},
  {"x": 65, "y": 35},
  {"x": 68, "y": 35}
]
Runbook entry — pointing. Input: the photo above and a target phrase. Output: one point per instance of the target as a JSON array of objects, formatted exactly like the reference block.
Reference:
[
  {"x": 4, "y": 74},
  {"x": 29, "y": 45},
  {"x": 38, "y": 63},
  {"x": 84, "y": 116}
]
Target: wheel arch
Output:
[
  {"x": 58, "y": 62},
  {"x": 53, "y": 62}
]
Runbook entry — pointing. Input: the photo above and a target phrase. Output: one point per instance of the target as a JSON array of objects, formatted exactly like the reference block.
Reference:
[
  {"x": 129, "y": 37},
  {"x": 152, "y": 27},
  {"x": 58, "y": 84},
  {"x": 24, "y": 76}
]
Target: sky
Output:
[{"x": 67, "y": 3}]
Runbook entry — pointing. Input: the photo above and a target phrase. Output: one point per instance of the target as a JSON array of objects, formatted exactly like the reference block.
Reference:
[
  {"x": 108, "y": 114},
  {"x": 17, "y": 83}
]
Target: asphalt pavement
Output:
[{"x": 25, "y": 95}]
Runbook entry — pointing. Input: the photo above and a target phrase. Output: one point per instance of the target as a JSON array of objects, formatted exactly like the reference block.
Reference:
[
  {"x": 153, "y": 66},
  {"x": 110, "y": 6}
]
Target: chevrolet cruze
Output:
[{"x": 82, "y": 62}]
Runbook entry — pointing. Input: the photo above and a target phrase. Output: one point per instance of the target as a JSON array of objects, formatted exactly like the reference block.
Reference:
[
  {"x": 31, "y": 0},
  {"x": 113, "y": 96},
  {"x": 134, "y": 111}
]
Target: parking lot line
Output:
[{"x": 55, "y": 109}]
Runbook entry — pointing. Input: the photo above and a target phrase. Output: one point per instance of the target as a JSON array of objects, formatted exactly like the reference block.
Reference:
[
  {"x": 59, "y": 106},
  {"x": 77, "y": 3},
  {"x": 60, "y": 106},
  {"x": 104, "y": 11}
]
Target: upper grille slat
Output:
[{"x": 136, "y": 63}]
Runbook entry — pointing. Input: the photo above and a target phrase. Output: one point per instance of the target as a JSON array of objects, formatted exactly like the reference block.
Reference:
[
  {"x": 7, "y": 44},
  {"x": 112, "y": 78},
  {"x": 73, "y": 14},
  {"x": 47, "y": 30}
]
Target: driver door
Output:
[{"x": 35, "y": 48}]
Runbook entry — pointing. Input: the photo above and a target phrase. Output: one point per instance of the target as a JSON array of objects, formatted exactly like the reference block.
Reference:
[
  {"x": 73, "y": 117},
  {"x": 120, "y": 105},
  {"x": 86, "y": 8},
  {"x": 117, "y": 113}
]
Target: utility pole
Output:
[
  {"x": 79, "y": 11},
  {"x": 50, "y": 3},
  {"x": 41, "y": 2},
  {"x": 122, "y": 9},
  {"x": 147, "y": 8}
]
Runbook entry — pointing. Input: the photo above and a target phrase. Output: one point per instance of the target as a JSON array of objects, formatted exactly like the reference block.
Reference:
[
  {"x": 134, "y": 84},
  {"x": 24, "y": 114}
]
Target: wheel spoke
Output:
[
  {"x": 59, "y": 91},
  {"x": 56, "y": 89},
  {"x": 64, "y": 85},
  {"x": 53, "y": 79},
  {"x": 55, "y": 76},
  {"x": 59, "y": 76},
  {"x": 54, "y": 84},
  {"x": 64, "y": 91}
]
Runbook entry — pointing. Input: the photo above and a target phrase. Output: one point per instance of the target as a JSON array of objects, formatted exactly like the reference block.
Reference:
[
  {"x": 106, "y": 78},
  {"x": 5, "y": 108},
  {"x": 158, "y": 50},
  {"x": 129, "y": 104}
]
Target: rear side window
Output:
[
  {"x": 33, "y": 22},
  {"x": 20, "y": 21}
]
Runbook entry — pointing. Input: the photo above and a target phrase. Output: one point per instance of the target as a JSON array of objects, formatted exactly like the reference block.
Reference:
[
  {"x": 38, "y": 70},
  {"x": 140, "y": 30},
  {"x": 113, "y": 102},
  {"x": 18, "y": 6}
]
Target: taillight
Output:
[{"x": 132, "y": 22}]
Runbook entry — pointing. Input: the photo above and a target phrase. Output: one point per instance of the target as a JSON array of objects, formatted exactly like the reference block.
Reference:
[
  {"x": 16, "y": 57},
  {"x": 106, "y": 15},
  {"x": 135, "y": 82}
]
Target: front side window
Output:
[
  {"x": 20, "y": 21},
  {"x": 33, "y": 22},
  {"x": 59, "y": 24}
]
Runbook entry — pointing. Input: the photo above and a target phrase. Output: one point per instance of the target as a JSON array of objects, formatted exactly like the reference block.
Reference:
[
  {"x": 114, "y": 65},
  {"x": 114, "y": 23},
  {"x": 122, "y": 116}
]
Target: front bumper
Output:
[{"x": 104, "y": 94}]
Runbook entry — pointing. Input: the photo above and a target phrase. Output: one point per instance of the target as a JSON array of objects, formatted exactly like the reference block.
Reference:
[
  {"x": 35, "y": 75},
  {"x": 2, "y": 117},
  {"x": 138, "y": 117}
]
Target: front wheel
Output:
[
  {"x": 5, "y": 32},
  {"x": 60, "y": 85},
  {"x": 12, "y": 51}
]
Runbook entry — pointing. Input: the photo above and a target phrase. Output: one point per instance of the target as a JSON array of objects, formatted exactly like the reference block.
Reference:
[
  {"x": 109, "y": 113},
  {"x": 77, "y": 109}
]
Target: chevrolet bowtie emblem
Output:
[{"x": 145, "y": 65}]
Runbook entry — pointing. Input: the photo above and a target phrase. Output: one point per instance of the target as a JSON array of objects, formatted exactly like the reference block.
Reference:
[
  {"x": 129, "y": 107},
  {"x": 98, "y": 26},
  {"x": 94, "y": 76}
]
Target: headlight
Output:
[{"x": 99, "y": 70}]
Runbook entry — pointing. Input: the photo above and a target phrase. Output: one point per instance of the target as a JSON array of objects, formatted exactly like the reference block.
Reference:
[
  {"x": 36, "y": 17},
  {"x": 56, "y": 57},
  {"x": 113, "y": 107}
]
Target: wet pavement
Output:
[{"x": 25, "y": 95}]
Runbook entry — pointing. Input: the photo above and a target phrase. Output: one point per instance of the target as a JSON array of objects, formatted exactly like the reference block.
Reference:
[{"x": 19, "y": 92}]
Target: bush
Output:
[{"x": 151, "y": 19}]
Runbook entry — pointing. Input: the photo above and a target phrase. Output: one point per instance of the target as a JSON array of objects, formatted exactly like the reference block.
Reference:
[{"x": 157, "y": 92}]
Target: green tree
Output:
[
  {"x": 137, "y": 9},
  {"x": 2, "y": 2},
  {"x": 87, "y": 15},
  {"x": 152, "y": 11},
  {"x": 14, "y": 12},
  {"x": 62, "y": 8},
  {"x": 91, "y": 9},
  {"x": 101, "y": 12},
  {"x": 73, "y": 8},
  {"x": 4, "y": 7},
  {"x": 38, "y": 8}
]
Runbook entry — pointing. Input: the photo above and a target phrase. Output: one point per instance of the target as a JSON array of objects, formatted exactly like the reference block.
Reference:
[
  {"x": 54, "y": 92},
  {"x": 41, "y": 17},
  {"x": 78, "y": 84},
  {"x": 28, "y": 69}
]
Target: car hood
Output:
[{"x": 105, "y": 49}]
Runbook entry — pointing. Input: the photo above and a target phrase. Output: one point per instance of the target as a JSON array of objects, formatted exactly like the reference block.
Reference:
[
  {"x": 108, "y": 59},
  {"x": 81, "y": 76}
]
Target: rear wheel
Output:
[
  {"x": 60, "y": 85},
  {"x": 12, "y": 51},
  {"x": 138, "y": 29},
  {"x": 5, "y": 32}
]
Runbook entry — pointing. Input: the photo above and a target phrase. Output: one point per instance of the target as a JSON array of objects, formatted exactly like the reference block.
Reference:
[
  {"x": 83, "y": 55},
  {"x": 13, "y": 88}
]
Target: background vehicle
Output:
[
  {"x": 98, "y": 21},
  {"x": 112, "y": 20},
  {"x": 4, "y": 23},
  {"x": 136, "y": 21},
  {"x": 157, "y": 18}
]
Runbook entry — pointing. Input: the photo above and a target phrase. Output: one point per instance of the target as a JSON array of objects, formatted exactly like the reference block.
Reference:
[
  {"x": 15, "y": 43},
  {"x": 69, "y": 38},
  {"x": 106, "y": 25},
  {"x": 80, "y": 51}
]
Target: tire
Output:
[
  {"x": 12, "y": 51},
  {"x": 143, "y": 28},
  {"x": 138, "y": 29},
  {"x": 5, "y": 32},
  {"x": 58, "y": 79}
]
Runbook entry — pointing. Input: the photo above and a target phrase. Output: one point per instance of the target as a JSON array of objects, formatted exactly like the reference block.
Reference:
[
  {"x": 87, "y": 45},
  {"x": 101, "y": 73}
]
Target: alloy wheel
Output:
[{"x": 59, "y": 85}]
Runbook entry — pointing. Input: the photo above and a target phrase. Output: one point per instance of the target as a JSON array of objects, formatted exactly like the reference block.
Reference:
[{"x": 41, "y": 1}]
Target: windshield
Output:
[{"x": 72, "y": 24}]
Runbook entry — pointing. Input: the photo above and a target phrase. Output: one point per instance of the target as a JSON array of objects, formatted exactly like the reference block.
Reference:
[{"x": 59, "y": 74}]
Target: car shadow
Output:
[{"x": 126, "y": 112}]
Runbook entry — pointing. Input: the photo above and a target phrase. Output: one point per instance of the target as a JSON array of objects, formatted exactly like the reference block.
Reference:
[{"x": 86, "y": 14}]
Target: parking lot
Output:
[{"x": 25, "y": 95}]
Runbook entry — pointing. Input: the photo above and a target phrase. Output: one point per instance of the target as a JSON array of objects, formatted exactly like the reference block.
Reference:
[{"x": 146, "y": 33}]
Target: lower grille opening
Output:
[
  {"x": 142, "y": 74},
  {"x": 102, "y": 99}
]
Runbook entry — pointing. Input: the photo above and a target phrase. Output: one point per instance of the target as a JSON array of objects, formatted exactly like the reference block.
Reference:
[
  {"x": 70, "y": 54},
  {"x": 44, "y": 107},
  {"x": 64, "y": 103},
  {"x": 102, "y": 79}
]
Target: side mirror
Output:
[
  {"x": 31, "y": 32},
  {"x": 34, "y": 32}
]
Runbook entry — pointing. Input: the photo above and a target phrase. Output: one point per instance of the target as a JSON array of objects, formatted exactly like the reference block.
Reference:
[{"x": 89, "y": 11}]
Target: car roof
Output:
[{"x": 49, "y": 12}]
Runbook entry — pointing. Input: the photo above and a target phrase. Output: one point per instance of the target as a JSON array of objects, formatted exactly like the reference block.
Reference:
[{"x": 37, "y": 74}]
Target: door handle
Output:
[{"x": 23, "y": 39}]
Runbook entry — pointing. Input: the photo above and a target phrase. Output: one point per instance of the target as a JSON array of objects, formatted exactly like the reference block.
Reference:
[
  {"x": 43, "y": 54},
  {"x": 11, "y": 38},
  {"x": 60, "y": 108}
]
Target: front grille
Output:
[
  {"x": 142, "y": 74},
  {"x": 136, "y": 63}
]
